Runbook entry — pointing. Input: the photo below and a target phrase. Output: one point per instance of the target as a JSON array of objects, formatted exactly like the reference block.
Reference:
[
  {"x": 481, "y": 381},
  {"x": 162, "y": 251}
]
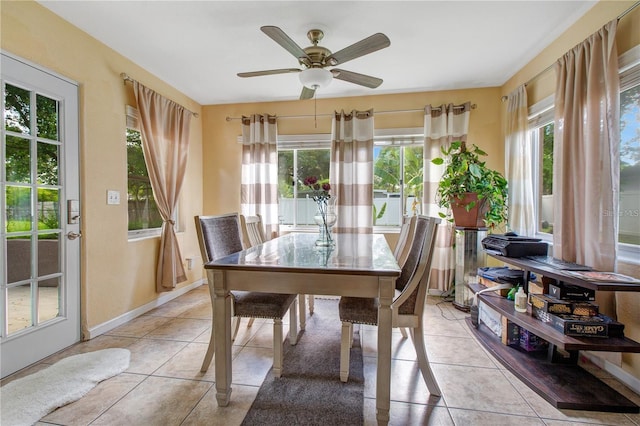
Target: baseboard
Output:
[
  {"x": 623, "y": 376},
  {"x": 128, "y": 316}
]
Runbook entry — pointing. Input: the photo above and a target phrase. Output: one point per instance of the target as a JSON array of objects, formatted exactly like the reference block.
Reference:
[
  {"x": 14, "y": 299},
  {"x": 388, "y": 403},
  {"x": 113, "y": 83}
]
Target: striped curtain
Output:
[
  {"x": 351, "y": 171},
  {"x": 259, "y": 190},
  {"x": 442, "y": 125},
  {"x": 518, "y": 164}
]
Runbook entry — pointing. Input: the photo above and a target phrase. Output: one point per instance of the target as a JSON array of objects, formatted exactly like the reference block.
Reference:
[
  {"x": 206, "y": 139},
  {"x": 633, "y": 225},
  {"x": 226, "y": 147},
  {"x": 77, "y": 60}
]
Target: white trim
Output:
[
  {"x": 623, "y": 376},
  {"x": 39, "y": 67},
  {"x": 629, "y": 59},
  {"x": 128, "y": 316}
]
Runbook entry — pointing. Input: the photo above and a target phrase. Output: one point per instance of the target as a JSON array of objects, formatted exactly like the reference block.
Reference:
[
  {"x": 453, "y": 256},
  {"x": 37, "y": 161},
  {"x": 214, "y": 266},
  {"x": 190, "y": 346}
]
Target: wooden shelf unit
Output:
[{"x": 563, "y": 384}]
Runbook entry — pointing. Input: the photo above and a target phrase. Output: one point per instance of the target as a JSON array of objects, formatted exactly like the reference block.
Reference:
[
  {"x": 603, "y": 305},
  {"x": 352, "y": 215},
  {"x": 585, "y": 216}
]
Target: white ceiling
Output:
[{"x": 199, "y": 46}]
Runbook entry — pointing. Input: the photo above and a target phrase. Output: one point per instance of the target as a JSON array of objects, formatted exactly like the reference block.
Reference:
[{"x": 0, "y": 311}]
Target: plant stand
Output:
[{"x": 469, "y": 257}]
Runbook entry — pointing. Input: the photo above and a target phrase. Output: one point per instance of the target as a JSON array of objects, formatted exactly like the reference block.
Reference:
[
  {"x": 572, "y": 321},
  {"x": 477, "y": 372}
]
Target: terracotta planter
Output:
[{"x": 474, "y": 218}]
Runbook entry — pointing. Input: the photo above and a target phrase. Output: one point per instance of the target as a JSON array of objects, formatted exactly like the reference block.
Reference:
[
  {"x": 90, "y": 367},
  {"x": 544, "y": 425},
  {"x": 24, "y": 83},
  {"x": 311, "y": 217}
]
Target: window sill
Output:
[{"x": 284, "y": 229}]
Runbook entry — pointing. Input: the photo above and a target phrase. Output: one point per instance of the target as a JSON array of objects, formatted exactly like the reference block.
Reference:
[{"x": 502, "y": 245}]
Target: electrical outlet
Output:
[{"x": 113, "y": 197}]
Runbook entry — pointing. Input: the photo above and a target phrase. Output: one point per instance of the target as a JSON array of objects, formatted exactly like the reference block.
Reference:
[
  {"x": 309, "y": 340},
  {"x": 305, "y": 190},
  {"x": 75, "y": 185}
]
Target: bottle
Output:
[{"x": 521, "y": 300}]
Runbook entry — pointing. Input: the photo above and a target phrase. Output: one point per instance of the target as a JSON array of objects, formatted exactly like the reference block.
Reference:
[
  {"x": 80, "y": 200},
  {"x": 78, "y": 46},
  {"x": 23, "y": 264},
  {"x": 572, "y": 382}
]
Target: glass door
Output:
[{"x": 40, "y": 220}]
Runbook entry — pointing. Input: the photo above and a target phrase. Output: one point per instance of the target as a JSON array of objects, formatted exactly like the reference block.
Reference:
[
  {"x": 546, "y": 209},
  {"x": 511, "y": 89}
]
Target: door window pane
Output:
[
  {"x": 18, "y": 208},
  {"x": 18, "y": 259},
  {"x": 48, "y": 299},
  {"x": 18, "y": 159},
  {"x": 48, "y": 163},
  {"x": 47, "y": 117},
  {"x": 48, "y": 209},
  {"x": 17, "y": 109},
  {"x": 19, "y": 308},
  {"x": 48, "y": 254}
]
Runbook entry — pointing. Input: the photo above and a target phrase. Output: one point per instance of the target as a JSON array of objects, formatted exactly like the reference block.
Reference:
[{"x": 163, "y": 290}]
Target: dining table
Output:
[{"x": 356, "y": 265}]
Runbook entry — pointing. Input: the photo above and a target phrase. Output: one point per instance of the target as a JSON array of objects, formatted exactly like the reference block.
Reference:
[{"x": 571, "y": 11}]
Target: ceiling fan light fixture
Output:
[{"x": 315, "y": 78}]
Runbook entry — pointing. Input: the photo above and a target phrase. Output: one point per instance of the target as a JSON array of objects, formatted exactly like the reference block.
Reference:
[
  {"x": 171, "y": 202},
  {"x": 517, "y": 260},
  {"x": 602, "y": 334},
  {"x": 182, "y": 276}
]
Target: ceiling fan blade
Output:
[
  {"x": 268, "y": 72},
  {"x": 307, "y": 93},
  {"x": 368, "y": 45},
  {"x": 356, "y": 78},
  {"x": 285, "y": 41}
]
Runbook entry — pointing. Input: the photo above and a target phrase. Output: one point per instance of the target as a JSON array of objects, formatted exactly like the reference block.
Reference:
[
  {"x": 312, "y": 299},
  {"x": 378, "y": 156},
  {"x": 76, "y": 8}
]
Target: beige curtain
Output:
[
  {"x": 259, "y": 191},
  {"x": 164, "y": 126},
  {"x": 586, "y": 152},
  {"x": 518, "y": 164},
  {"x": 586, "y": 156},
  {"x": 351, "y": 171},
  {"x": 442, "y": 125}
]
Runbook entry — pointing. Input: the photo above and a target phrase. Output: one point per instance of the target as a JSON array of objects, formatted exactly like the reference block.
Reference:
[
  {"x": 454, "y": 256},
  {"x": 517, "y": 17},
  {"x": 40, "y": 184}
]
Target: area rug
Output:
[
  {"x": 310, "y": 392},
  {"x": 26, "y": 400}
]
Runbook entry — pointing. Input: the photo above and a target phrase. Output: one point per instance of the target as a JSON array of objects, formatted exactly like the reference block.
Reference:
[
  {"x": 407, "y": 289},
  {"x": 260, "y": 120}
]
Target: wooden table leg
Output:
[
  {"x": 383, "y": 380},
  {"x": 222, "y": 324}
]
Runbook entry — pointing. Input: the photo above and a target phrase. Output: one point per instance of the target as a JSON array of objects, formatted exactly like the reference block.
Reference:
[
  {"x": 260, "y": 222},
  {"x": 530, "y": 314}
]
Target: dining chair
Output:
[
  {"x": 220, "y": 236},
  {"x": 405, "y": 238},
  {"x": 407, "y": 307},
  {"x": 253, "y": 234},
  {"x": 401, "y": 251}
]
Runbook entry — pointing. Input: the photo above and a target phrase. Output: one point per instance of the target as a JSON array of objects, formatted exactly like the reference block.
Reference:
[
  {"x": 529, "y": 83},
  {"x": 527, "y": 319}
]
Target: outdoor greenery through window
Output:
[
  {"x": 629, "y": 231},
  {"x": 144, "y": 217},
  {"x": 32, "y": 152},
  {"x": 541, "y": 132},
  {"x": 542, "y": 139},
  {"x": 397, "y": 181},
  {"x": 295, "y": 204}
]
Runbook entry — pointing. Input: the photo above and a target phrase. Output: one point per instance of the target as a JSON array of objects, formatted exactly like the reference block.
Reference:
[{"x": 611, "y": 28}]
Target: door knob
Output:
[{"x": 73, "y": 235}]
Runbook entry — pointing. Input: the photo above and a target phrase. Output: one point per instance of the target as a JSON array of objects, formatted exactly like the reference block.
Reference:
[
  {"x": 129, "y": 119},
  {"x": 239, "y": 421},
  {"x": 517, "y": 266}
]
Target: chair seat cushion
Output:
[
  {"x": 252, "y": 304},
  {"x": 359, "y": 310}
]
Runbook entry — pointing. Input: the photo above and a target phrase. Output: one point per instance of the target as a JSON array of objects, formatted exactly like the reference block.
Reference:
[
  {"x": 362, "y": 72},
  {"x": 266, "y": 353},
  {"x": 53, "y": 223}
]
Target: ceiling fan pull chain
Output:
[{"x": 315, "y": 110}]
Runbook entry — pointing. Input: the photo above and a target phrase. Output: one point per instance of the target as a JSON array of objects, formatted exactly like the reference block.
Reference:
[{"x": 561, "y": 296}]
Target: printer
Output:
[{"x": 512, "y": 245}]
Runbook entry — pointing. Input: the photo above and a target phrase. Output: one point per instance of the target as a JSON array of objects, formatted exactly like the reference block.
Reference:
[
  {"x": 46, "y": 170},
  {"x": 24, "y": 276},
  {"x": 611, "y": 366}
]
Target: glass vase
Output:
[{"x": 325, "y": 218}]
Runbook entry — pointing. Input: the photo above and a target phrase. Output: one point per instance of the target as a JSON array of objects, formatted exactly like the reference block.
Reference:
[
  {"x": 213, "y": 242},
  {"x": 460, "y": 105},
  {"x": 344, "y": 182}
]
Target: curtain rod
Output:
[
  {"x": 636, "y": 4},
  {"x": 126, "y": 78},
  {"x": 473, "y": 106}
]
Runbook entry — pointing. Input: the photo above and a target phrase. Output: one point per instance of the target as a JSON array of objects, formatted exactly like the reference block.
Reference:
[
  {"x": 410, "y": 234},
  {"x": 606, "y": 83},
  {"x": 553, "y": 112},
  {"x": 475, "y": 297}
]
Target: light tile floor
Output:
[{"x": 163, "y": 385}]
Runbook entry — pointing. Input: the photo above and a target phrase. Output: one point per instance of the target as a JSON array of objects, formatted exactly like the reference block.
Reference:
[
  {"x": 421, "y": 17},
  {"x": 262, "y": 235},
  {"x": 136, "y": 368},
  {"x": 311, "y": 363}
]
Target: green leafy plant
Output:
[
  {"x": 378, "y": 215},
  {"x": 466, "y": 173}
]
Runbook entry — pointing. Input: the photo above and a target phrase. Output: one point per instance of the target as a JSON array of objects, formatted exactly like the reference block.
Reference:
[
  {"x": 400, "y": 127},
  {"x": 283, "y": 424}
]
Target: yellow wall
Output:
[
  {"x": 542, "y": 84},
  {"x": 117, "y": 275}
]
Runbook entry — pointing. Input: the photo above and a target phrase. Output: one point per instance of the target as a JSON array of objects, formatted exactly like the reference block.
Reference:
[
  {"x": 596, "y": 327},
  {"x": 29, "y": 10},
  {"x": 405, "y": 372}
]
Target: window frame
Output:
[
  {"x": 132, "y": 115},
  {"x": 629, "y": 71},
  {"x": 540, "y": 115},
  {"x": 323, "y": 141}
]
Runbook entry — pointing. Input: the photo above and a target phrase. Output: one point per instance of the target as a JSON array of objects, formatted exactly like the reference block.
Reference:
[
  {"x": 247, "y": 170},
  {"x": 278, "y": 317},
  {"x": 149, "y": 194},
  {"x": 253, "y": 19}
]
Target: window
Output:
[
  {"x": 296, "y": 208},
  {"x": 144, "y": 218},
  {"x": 628, "y": 229},
  {"x": 397, "y": 177},
  {"x": 541, "y": 134}
]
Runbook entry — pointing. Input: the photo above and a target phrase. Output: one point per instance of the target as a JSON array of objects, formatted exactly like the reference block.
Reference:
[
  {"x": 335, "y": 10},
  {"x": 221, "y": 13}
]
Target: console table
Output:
[{"x": 556, "y": 378}]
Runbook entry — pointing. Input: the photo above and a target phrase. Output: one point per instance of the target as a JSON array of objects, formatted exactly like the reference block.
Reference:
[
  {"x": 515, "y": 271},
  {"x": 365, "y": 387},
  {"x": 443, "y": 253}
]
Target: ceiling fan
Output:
[{"x": 314, "y": 60}]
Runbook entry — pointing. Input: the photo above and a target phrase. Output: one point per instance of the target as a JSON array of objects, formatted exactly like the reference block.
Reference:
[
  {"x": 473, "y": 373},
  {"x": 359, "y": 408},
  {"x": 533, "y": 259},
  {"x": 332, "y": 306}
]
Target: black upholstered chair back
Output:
[{"x": 219, "y": 235}]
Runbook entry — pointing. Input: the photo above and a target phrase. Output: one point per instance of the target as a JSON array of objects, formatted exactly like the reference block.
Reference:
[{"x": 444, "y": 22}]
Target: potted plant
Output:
[{"x": 475, "y": 194}]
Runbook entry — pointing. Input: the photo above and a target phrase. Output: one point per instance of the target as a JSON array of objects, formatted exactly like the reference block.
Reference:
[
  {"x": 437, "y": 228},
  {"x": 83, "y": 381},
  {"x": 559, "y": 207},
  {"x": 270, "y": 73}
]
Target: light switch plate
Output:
[{"x": 113, "y": 197}]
